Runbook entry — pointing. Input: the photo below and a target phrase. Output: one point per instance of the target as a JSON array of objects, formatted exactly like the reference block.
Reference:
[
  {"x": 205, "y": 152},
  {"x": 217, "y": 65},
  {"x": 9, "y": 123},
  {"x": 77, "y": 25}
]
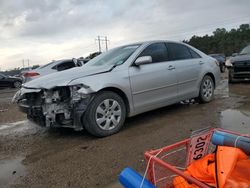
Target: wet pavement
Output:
[
  {"x": 11, "y": 170},
  {"x": 31, "y": 156}
]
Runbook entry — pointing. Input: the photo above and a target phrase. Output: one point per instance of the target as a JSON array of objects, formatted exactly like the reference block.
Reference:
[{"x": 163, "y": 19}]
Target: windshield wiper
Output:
[{"x": 115, "y": 65}]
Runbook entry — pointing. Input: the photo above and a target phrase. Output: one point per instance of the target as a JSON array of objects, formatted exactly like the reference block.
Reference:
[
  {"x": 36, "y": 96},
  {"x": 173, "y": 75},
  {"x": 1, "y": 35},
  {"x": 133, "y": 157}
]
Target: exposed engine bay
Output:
[{"x": 56, "y": 107}]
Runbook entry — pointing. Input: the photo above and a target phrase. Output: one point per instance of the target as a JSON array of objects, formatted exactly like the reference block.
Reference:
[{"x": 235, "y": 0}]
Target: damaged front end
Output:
[{"x": 56, "y": 107}]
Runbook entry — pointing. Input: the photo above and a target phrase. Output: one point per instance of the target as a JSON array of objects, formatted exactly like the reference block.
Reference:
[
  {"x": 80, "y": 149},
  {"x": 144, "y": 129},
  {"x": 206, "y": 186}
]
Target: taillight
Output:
[{"x": 31, "y": 74}]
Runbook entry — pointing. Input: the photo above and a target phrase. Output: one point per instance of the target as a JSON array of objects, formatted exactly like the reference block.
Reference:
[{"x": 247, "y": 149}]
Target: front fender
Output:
[{"x": 117, "y": 79}]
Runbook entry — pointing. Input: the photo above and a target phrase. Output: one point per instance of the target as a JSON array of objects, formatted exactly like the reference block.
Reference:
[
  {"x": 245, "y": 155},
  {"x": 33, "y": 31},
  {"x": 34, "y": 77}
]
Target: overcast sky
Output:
[{"x": 42, "y": 30}]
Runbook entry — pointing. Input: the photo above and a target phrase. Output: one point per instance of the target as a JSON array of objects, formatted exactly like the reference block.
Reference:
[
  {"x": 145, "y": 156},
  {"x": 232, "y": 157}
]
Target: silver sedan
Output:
[{"x": 120, "y": 83}]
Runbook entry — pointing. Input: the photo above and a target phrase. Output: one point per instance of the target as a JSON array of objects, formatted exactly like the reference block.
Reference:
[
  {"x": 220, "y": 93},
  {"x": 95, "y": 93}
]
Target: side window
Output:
[
  {"x": 65, "y": 65},
  {"x": 157, "y": 51},
  {"x": 178, "y": 51},
  {"x": 194, "y": 54}
]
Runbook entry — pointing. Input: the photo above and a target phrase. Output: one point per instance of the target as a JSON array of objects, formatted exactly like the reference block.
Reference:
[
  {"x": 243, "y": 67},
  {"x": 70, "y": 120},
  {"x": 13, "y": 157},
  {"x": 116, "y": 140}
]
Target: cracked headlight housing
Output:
[{"x": 77, "y": 92}]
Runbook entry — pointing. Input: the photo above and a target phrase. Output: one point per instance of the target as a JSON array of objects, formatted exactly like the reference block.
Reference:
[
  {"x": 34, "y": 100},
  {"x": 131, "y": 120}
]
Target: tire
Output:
[
  {"x": 222, "y": 68},
  {"x": 17, "y": 84},
  {"x": 111, "y": 119},
  {"x": 206, "y": 93}
]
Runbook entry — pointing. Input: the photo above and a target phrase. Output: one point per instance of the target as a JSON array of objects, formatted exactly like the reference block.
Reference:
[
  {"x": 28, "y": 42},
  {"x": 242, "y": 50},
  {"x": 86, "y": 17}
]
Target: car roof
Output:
[{"x": 152, "y": 41}]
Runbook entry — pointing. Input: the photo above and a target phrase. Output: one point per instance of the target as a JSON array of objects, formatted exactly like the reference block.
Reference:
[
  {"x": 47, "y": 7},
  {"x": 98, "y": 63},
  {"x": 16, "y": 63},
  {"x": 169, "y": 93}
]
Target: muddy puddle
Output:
[
  {"x": 222, "y": 89},
  {"x": 237, "y": 120},
  {"x": 10, "y": 171}
]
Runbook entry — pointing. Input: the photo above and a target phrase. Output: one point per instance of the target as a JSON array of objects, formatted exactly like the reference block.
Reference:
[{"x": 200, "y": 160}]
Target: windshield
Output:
[
  {"x": 113, "y": 57},
  {"x": 245, "y": 50}
]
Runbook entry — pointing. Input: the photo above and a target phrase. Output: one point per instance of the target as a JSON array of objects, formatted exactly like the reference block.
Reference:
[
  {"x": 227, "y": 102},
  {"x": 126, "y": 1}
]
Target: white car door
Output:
[
  {"x": 188, "y": 67},
  {"x": 153, "y": 85}
]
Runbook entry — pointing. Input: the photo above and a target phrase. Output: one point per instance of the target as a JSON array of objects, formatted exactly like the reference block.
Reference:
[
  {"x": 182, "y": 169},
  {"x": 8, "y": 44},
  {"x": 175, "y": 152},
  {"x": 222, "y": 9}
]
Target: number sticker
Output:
[{"x": 198, "y": 146}]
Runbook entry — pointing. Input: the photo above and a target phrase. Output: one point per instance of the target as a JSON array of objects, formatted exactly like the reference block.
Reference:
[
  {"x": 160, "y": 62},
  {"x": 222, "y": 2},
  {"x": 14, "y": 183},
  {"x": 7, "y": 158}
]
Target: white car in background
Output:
[{"x": 52, "y": 67}]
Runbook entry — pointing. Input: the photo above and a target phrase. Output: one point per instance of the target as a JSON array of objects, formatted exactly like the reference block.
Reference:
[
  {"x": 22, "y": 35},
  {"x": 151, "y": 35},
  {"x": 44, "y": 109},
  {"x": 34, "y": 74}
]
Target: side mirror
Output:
[
  {"x": 143, "y": 60},
  {"x": 234, "y": 54}
]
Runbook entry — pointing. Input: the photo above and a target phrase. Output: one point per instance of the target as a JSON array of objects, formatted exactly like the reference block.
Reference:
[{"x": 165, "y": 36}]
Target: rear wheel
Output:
[
  {"x": 17, "y": 84},
  {"x": 105, "y": 115},
  {"x": 206, "y": 89}
]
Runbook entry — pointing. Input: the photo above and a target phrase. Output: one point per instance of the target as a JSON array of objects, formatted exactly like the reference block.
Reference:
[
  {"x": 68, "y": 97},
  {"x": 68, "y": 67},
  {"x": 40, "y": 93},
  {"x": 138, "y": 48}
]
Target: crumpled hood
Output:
[
  {"x": 65, "y": 77},
  {"x": 237, "y": 58}
]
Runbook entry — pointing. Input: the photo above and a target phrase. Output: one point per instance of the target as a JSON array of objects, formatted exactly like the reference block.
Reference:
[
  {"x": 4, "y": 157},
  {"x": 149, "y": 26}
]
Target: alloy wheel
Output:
[
  {"x": 207, "y": 88},
  {"x": 108, "y": 114}
]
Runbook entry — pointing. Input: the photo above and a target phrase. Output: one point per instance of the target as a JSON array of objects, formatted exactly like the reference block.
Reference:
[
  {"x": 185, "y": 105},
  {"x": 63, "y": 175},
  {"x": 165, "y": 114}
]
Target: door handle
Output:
[
  {"x": 171, "y": 67},
  {"x": 201, "y": 62}
]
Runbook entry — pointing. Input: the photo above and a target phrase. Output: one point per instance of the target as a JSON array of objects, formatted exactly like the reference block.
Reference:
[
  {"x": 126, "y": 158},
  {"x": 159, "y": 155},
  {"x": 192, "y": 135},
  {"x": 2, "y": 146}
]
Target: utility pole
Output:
[
  {"x": 106, "y": 42},
  {"x": 102, "y": 39},
  {"x": 23, "y": 63},
  {"x": 28, "y": 62},
  {"x": 99, "y": 42}
]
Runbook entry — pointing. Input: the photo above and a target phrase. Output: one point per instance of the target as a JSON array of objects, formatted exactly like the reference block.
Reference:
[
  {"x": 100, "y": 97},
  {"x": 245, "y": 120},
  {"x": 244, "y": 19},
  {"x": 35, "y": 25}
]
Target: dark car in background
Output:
[
  {"x": 10, "y": 81},
  {"x": 221, "y": 58},
  {"x": 239, "y": 66}
]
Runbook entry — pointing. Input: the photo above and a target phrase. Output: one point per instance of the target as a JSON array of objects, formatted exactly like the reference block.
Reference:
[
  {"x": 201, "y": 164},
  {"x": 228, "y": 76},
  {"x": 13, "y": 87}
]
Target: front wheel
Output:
[
  {"x": 206, "y": 93},
  {"x": 105, "y": 115}
]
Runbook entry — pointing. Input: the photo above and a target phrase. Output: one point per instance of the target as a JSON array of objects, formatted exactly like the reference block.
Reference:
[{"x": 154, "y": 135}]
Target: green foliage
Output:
[{"x": 223, "y": 41}]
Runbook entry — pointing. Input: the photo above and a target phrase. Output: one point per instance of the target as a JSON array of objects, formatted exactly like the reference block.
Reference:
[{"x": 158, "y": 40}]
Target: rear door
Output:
[
  {"x": 188, "y": 65},
  {"x": 153, "y": 85}
]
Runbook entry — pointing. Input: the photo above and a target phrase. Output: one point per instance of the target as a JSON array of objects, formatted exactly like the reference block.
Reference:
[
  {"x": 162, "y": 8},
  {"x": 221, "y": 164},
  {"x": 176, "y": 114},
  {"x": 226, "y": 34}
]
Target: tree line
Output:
[{"x": 222, "y": 41}]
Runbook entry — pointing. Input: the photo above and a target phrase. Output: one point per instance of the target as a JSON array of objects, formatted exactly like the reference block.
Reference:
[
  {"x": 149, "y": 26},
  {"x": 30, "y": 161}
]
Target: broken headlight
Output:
[{"x": 77, "y": 92}]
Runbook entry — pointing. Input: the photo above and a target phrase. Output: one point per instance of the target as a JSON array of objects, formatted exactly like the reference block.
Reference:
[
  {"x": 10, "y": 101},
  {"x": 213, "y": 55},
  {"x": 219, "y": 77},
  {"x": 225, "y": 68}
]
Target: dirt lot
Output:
[{"x": 31, "y": 156}]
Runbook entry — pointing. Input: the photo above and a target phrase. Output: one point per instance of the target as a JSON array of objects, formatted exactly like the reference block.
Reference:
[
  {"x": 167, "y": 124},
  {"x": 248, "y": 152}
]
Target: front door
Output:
[{"x": 155, "y": 84}]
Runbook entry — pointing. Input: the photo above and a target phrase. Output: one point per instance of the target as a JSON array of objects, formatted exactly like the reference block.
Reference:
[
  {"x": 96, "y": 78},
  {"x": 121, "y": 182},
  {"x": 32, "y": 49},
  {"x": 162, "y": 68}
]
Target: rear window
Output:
[
  {"x": 178, "y": 51},
  {"x": 65, "y": 65},
  {"x": 46, "y": 65},
  {"x": 193, "y": 53}
]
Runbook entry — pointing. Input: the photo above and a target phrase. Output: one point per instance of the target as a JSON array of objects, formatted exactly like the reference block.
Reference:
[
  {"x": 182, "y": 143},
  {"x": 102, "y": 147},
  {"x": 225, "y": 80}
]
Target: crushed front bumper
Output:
[{"x": 61, "y": 107}]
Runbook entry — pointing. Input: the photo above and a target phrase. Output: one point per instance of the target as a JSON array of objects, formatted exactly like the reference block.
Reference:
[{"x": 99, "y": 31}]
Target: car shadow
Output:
[{"x": 156, "y": 114}]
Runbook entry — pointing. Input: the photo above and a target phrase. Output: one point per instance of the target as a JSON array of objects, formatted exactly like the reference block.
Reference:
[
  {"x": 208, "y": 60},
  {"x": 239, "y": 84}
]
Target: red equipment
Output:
[{"x": 168, "y": 162}]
